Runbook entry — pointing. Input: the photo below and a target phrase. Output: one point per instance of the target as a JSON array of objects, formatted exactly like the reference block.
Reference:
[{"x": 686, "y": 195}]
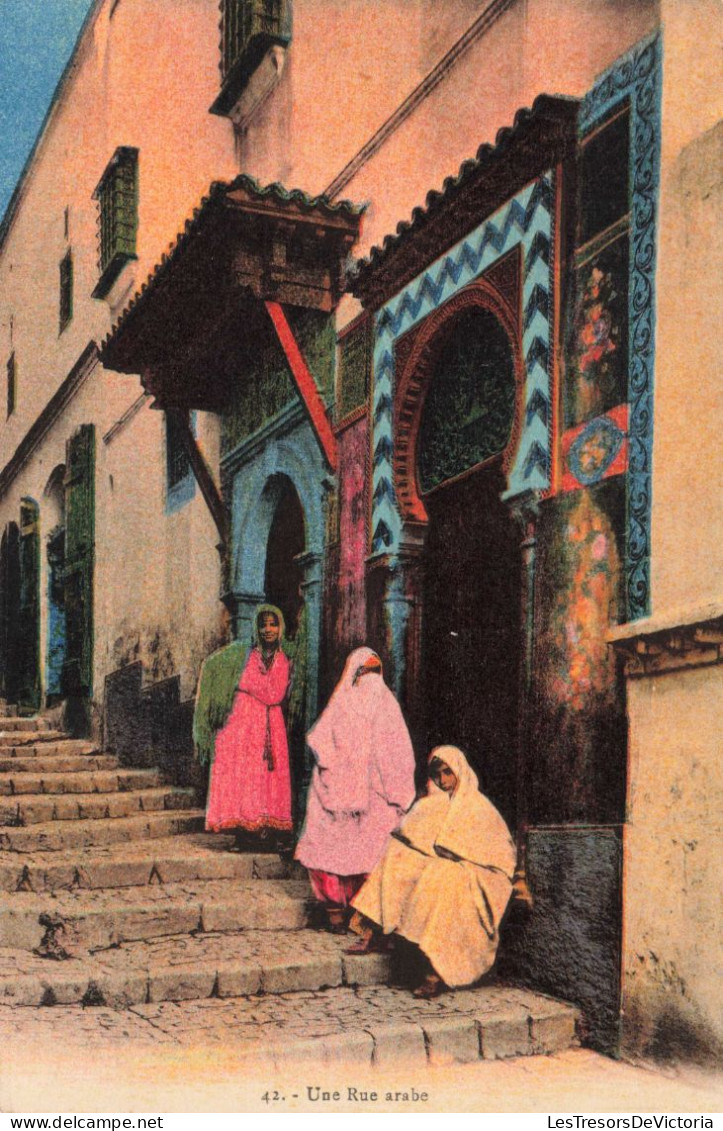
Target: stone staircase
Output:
[{"x": 122, "y": 914}]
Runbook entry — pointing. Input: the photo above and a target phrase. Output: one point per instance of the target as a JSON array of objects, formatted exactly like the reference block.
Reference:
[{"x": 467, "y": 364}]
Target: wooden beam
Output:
[
  {"x": 203, "y": 475},
  {"x": 305, "y": 383}
]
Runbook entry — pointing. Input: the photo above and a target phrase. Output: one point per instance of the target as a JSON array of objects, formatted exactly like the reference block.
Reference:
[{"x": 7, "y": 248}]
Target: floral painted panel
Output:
[
  {"x": 598, "y": 351},
  {"x": 579, "y": 727}
]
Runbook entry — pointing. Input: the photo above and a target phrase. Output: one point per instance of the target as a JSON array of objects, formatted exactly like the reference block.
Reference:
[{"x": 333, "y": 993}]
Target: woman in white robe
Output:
[{"x": 445, "y": 879}]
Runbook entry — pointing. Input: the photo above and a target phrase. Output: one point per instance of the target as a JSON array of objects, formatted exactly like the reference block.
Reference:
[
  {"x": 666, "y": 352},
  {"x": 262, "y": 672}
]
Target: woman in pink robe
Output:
[
  {"x": 250, "y": 788},
  {"x": 361, "y": 786}
]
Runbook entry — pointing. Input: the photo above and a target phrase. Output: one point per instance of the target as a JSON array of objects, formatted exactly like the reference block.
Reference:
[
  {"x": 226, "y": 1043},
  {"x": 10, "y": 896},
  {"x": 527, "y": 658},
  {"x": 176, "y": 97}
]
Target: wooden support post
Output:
[
  {"x": 305, "y": 383},
  {"x": 203, "y": 475}
]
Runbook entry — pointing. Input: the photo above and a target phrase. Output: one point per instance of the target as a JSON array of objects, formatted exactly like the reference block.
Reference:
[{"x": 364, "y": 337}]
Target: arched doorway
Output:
[
  {"x": 471, "y": 632},
  {"x": 283, "y": 586},
  {"x": 284, "y": 574}
]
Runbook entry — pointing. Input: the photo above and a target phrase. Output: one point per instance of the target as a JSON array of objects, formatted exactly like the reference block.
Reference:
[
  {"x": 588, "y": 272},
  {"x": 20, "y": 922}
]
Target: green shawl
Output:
[
  {"x": 220, "y": 675},
  {"x": 217, "y": 685}
]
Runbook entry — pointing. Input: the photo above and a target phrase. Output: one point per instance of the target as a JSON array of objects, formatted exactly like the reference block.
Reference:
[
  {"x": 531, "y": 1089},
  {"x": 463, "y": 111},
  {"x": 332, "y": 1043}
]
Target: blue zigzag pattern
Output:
[{"x": 525, "y": 220}]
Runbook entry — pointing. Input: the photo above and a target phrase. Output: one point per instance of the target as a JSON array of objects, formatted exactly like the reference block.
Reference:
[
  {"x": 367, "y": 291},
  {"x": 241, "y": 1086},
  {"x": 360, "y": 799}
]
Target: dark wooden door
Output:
[
  {"x": 471, "y": 638},
  {"x": 79, "y": 562},
  {"x": 27, "y": 651},
  {"x": 9, "y": 611}
]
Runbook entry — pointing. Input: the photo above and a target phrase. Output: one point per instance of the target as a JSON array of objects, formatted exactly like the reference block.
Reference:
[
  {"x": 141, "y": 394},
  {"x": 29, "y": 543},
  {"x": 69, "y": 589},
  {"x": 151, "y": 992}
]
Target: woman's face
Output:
[
  {"x": 372, "y": 666},
  {"x": 444, "y": 778},
  {"x": 269, "y": 630}
]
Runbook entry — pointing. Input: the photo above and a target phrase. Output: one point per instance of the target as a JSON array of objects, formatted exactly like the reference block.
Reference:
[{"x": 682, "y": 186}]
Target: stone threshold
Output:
[{"x": 360, "y": 1026}]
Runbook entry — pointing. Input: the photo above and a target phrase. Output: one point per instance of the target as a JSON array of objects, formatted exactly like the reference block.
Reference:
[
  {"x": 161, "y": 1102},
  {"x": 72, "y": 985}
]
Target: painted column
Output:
[
  {"x": 525, "y": 511},
  {"x": 311, "y": 588}
]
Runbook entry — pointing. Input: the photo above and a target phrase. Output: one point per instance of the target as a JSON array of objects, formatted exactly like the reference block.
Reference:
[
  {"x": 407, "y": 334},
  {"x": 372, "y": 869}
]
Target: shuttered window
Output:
[
  {"x": 180, "y": 480},
  {"x": 12, "y": 384},
  {"x": 66, "y": 290}
]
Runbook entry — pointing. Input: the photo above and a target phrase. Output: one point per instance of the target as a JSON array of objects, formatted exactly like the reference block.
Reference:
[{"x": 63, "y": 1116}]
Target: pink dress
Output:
[{"x": 250, "y": 783}]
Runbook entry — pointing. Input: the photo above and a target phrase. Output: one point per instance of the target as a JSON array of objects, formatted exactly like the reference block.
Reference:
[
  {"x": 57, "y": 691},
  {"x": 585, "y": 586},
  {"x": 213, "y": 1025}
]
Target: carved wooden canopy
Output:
[{"x": 201, "y": 308}]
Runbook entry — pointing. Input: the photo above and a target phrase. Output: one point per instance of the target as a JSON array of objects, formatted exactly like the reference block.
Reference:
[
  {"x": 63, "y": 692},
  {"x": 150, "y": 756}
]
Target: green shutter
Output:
[
  {"x": 9, "y": 611},
  {"x": 28, "y": 628},
  {"x": 79, "y": 561}
]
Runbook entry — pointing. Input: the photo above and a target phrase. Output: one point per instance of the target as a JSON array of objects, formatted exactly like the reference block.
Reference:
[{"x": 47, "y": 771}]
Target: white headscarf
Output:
[{"x": 465, "y": 823}]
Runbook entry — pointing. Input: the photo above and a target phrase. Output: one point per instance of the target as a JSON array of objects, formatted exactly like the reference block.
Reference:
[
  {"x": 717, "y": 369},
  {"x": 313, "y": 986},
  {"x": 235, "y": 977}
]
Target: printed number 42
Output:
[{"x": 272, "y": 1098}]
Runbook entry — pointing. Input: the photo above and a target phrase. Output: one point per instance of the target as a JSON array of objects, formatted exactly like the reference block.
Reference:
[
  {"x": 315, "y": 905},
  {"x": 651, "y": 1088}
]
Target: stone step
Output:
[
  {"x": 36, "y": 809},
  {"x": 60, "y": 764},
  {"x": 12, "y": 724},
  {"x": 102, "y": 781},
  {"x": 188, "y": 967},
  {"x": 57, "y": 836},
  {"x": 72, "y": 922},
  {"x": 199, "y": 856},
  {"x": 360, "y": 1026},
  {"x": 32, "y": 748}
]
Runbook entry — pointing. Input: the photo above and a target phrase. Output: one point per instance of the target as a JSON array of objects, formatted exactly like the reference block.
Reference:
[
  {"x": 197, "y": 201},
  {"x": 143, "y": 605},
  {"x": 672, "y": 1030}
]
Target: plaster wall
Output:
[
  {"x": 159, "y": 572},
  {"x": 671, "y": 988},
  {"x": 536, "y": 46},
  {"x": 144, "y": 77},
  {"x": 687, "y": 537},
  {"x": 157, "y": 576}
]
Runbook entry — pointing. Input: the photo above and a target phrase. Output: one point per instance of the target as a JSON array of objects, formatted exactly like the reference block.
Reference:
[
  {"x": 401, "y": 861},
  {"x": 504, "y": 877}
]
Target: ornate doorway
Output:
[
  {"x": 285, "y": 546},
  {"x": 471, "y": 644}
]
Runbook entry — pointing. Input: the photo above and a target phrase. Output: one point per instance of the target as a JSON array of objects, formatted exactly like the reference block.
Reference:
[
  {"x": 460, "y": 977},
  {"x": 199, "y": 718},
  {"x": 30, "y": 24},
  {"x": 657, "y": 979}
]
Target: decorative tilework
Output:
[
  {"x": 636, "y": 76},
  {"x": 526, "y": 220},
  {"x": 595, "y": 450}
]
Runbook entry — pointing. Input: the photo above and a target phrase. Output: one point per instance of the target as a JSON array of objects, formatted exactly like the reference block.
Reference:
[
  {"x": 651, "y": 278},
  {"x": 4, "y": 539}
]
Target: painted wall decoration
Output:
[
  {"x": 579, "y": 724},
  {"x": 595, "y": 450},
  {"x": 526, "y": 220},
  {"x": 598, "y": 373}
]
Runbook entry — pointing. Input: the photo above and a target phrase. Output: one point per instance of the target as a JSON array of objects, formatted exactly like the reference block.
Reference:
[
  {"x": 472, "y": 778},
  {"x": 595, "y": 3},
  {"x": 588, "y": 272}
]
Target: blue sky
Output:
[{"x": 36, "y": 39}]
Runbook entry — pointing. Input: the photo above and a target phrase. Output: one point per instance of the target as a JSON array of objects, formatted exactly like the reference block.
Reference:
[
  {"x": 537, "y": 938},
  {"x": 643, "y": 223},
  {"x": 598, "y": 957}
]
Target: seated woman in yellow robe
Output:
[{"x": 445, "y": 879}]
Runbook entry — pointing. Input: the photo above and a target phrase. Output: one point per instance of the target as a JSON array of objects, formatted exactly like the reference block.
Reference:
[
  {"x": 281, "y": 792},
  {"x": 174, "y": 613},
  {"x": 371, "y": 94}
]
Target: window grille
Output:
[
  {"x": 243, "y": 21},
  {"x": 117, "y": 197}
]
